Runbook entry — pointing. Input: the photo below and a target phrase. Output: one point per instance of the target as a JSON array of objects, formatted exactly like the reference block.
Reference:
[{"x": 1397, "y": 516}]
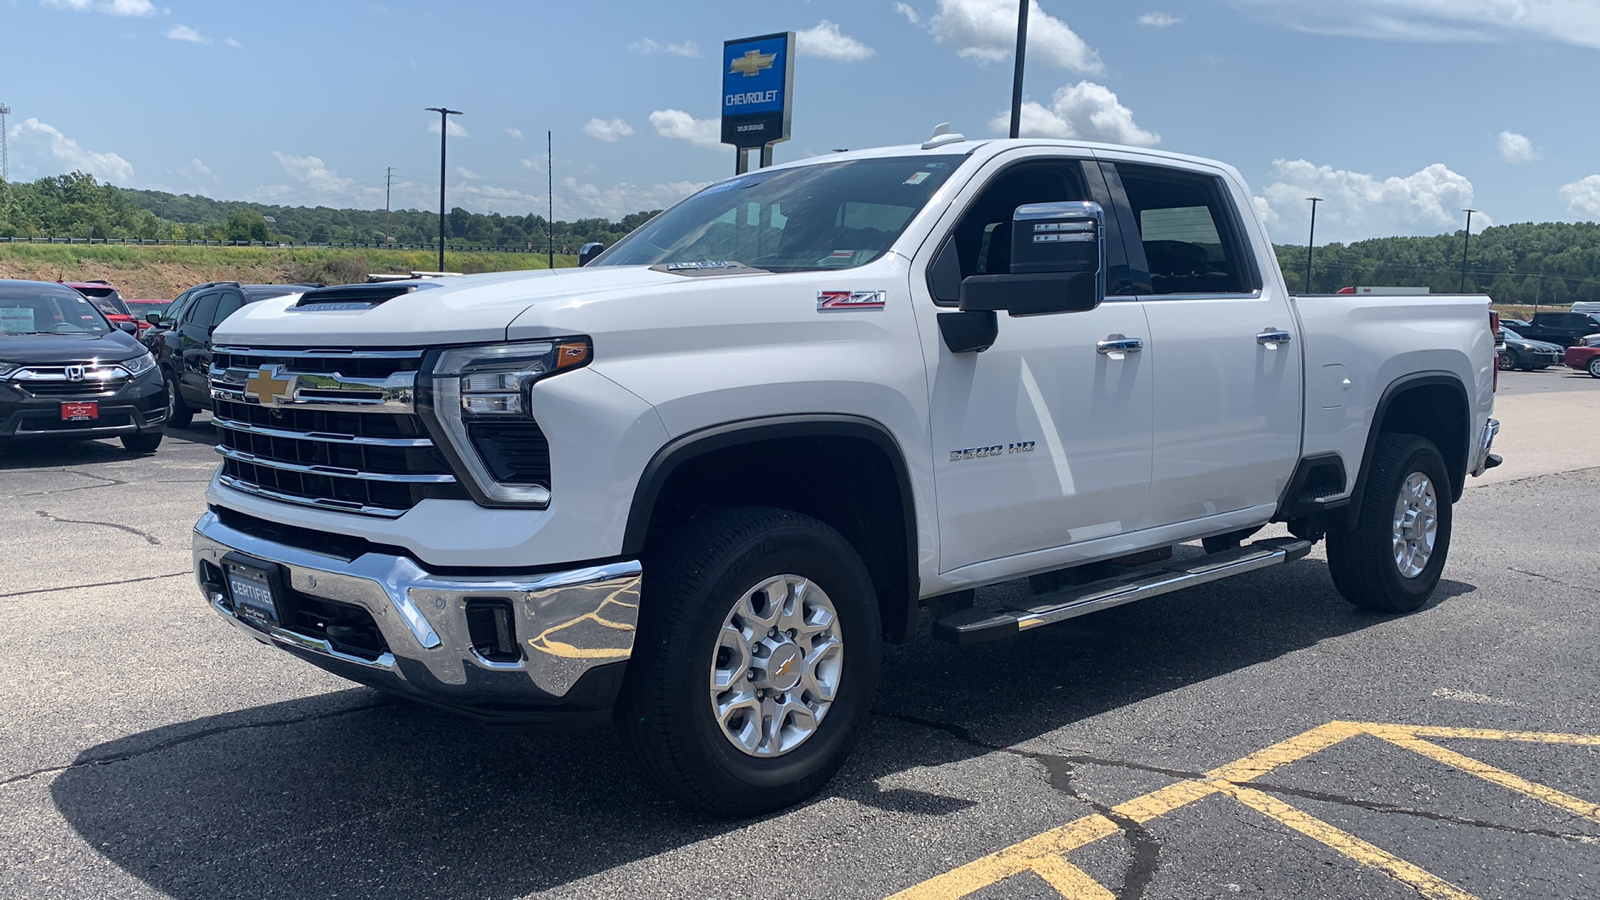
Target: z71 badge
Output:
[{"x": 833, "y": 300}]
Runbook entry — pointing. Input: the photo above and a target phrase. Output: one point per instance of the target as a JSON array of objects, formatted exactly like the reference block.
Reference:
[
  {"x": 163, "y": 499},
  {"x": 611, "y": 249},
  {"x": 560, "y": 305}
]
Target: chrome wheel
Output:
[
  {"x": 1416, "y": 524},
  {"x": 776, "y": 666}
]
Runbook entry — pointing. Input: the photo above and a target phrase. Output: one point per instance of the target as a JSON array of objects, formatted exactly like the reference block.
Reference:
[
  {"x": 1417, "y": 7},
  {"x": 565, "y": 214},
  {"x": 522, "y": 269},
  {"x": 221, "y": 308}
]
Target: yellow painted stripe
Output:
[
  {"x": 1486, "y": 734},
  {"x": 1419, "y": 879},
  {"x": 1574, "y": 805},
  {"x": 1016, "y": 859},
  {"x": 1284, "y": 752},
  {"x": 1070, "y": 881}
]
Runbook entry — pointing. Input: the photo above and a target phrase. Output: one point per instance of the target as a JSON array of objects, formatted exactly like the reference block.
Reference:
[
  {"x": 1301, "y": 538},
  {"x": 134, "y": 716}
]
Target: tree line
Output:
[
  {"x": 1543, "y": 263},
  {"x": 77, "y": 205}
]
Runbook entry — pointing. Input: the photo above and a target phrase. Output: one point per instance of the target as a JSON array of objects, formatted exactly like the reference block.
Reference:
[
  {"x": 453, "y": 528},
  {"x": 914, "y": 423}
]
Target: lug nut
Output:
[{"x": 792, "y": 634}]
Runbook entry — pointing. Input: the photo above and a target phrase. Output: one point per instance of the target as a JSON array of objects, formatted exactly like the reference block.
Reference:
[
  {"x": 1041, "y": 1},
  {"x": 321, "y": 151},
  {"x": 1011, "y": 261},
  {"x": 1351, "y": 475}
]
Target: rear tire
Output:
[
  {"x": 179, "y": 415},
  {"x": 701, "y": 624},
  {"x": 1594, "y": 367},
  {"x": 1508, "y": 360},
  {"x": 143, "y": 442},
  {"x": 1391, "y": 560}
]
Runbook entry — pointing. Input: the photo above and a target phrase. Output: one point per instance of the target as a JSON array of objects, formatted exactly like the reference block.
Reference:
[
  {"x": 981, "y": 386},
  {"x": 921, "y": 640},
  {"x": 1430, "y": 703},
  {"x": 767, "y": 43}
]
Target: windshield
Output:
[
  {"x": 825, "y": 216},
  {"x": 47, "y": 309}
]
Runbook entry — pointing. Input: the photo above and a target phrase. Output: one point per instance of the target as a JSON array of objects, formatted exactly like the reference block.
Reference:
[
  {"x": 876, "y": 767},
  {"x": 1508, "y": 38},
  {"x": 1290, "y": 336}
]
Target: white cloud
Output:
[
  {"x": 197, "y": 170},
  {"x": 1358, "y": 206},
  {"x": 231, "y": 42},
  {"x": 185, "y": 33},
  {"x": 1083, "y": 111},
  {"x": 621, "y": 199},
  {"x": 675, "y": 123},
  {"x": 1568, "y": 21},
  {"x": 911, "y": 15},
  {"x": 1515, "y": 148},
  {"x": 537, "y": 164},
  {"x": 1583, "y": 196},
  {"x": 109, "y": 7},
  {"x": 1159, "y": 20},
  {"x": 465, "y": 172},
  {"x": 688, "y": 49},
  {"x": 455, "y": 130},
  {"x": 104, "y": 166},
  {"x": 828, "y": 42},
  {"x": 986, "y": 30},
  {"x": 515, "y": 132},
  {"x": 608, "y": 130}
]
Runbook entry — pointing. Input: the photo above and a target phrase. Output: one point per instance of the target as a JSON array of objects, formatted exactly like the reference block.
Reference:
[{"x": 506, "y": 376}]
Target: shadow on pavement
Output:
[
  {"x": 354, "y": 794},
  {"x": 57, "y": 453}
]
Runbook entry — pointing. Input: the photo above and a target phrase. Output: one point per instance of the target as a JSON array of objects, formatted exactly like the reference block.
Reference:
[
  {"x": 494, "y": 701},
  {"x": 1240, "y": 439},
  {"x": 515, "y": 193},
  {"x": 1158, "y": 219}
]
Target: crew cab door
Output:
[
  {"x": 1041, "y": 440},
  {"x": 1226, "y": 348}
]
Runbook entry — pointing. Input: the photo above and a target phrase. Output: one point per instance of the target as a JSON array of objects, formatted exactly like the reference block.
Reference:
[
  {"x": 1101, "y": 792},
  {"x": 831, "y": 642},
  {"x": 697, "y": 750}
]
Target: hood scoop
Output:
[{"x": 355, "y": 296}]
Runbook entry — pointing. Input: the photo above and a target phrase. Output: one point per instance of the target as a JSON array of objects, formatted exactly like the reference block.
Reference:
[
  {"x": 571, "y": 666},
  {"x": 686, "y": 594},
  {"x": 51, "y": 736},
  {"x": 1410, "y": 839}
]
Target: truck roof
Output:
[{"x": 992, "y": 146}]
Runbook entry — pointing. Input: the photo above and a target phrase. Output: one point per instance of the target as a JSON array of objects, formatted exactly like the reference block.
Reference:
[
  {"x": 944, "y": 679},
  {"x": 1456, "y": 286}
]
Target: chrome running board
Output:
[{"x": 974, "y": 626}]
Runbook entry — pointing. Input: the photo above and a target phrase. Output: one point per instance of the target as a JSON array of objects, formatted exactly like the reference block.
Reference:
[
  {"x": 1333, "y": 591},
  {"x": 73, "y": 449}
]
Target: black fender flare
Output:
[{"x": 685, "y": 448}]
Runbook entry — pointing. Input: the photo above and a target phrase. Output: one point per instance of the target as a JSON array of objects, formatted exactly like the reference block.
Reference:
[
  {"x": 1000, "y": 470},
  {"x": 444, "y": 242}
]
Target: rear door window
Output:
[
  {"x": 1189, "y": 231},
  {"x": 201, "y": 310},
  {"x": 229, "y": 303}
]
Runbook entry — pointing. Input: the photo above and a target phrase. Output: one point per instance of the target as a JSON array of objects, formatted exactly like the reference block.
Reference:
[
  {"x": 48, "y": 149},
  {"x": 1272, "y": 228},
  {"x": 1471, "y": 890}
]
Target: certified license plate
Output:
[
  {"x": 250, "y": 588},
  {"x": 83, "y": 411}
]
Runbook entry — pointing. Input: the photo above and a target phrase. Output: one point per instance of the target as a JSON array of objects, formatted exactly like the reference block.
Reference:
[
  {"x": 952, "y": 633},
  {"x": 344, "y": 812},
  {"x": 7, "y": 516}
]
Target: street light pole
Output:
[
  {"x": 1016, "y": 78},
  {"x": 1311, "y": 242},
  {"x": 1466, "y": 241},
  {"x": 444, "y": 130}
]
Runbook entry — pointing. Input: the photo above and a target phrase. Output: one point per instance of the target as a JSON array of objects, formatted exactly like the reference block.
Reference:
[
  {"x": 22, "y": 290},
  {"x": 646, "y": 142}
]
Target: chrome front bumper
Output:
[
  {"x": 1481, "y": 456},
  {"x": 574, "y": 629}
]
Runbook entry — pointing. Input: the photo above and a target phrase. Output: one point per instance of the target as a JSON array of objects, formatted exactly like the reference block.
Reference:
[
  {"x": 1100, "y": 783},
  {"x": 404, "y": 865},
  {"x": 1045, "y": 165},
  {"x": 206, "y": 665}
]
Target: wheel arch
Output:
[
  {"x": 847, "y": 471},
  {"x": 1433, "y": 405}
]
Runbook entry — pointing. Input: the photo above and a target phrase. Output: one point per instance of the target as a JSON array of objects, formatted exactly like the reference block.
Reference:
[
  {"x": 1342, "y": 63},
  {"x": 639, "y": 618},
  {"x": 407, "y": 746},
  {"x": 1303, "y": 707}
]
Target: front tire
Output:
[
  {"x": 1594, "y": 367},
  {"x": 143, "y": 442},
  {"x": 756, "y": 660},
  {"x": 1508, "y": 360},
  {"x": 1392, "y": 559}
]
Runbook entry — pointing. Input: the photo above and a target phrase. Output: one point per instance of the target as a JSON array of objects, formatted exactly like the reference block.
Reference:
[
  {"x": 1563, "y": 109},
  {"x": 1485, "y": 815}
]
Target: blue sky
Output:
[{"x": 1398, "y": 112}]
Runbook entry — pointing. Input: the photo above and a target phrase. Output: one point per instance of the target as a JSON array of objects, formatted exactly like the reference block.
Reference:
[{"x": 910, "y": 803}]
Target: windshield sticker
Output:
[
  {"x": 918, "y": 178},
  {"x": 16, "y": 320},
  {"x": 718, "y": 264},
  {"x": 842, "y": 254},
  {"x": 833, "y": 301}
]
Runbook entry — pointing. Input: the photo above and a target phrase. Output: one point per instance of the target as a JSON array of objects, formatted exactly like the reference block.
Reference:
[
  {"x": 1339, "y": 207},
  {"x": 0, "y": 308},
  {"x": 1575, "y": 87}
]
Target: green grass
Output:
[{"x": 163, "y": 271}]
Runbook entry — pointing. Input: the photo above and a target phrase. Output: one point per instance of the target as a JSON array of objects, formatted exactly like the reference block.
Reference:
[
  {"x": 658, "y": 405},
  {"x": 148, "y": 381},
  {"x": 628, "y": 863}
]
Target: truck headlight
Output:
[{"x": 480, "y": 398}]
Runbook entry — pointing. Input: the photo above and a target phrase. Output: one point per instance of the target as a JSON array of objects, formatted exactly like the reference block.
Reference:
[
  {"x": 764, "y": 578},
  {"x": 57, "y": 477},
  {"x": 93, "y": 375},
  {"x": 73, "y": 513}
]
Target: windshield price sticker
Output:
[{"x": 16, "y": 320}]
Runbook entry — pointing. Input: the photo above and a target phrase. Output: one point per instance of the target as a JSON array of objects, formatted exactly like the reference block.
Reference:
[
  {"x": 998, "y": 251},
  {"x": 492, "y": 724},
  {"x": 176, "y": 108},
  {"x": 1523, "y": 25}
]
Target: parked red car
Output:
[{"x": 1584, "y": 358}]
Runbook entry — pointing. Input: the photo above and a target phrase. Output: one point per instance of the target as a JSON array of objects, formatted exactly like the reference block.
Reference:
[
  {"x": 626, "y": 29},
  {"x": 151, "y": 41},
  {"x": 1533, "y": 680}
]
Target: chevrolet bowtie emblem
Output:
[
  {"x": 752, "y": 63},
  {"x": 266, "y": 387}
]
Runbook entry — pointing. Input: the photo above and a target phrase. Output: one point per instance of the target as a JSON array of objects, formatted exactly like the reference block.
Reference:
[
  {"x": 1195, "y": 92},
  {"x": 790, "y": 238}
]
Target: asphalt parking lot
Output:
[{"x": 1252, "y": 738}]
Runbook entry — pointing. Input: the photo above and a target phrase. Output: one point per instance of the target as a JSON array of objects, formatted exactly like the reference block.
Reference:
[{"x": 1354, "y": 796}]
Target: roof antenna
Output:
[{"x": 941, "y": 136}]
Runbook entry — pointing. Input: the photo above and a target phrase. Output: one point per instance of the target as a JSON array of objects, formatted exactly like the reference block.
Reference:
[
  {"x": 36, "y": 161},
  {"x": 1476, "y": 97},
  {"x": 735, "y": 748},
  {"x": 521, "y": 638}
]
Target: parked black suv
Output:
[
  {"x": 181, "y": 340},
  {"x": 67, "y": 372},
  {"x": 1564, "y": 328}
]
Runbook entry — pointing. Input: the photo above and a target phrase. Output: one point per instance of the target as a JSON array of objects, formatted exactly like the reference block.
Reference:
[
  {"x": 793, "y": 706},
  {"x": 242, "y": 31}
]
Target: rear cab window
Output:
[{"x": 1189, "y": 232}]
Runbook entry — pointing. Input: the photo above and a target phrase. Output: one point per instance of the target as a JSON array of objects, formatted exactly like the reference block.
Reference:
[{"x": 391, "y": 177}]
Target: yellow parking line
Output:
[
  {"x": 1553, "y": 797},
  {"x": 1046, "y": 854},
  {"x": 1488, "y": 734},
  {"x": 1425, "y": 882}
]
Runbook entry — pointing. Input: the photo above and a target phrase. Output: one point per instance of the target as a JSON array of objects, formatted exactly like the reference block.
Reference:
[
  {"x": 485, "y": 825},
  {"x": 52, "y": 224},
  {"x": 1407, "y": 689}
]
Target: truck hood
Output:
[{"x": 455, "y": 310}]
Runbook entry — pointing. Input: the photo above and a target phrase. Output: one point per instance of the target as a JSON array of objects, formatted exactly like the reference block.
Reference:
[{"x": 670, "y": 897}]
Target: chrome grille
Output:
[
  {"x": 297, "y": 426},
  {"x": 73, "y": 380}
]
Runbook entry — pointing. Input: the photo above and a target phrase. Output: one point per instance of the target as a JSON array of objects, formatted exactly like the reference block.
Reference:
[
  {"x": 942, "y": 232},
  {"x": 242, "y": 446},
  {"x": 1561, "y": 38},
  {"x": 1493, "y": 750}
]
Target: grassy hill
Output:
[{"x": 162, "y": 272}]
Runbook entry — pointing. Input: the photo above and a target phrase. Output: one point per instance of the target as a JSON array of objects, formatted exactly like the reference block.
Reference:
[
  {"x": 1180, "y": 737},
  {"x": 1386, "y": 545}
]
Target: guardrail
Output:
[{"x": 348, "y": 245}]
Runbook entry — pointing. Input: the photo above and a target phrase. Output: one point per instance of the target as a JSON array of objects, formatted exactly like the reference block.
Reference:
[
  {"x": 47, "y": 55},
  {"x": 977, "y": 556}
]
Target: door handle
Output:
[
  {"x": 1272, "y": 337},
  {"x": 1119, "y": 344}
]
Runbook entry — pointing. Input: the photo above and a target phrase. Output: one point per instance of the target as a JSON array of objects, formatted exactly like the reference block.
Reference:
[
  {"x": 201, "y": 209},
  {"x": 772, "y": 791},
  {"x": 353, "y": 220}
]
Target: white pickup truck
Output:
[{"x": 694, "y": 485}]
